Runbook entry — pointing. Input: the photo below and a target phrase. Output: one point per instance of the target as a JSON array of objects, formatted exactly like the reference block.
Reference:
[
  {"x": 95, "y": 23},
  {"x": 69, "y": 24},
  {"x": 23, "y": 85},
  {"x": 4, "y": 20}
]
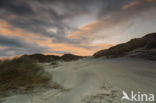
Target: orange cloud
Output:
[
  {"x": 137, "y": 3},
  {"x": 131, "y": 5},
  {"x": 66, "y": 47},
  {"x": 91, "y": 30},
  {"x": 74, "y": 49},
  {"x": 2, "y": 47},
  {"x": 52, "y": 54},
  {"x": 85, "y": 31},
  {"x": 8, "y": 30}
]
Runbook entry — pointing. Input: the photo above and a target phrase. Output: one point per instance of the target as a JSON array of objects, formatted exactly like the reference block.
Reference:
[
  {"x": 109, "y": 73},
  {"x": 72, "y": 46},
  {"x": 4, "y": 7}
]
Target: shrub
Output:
[{"x": 21, "y": 72}]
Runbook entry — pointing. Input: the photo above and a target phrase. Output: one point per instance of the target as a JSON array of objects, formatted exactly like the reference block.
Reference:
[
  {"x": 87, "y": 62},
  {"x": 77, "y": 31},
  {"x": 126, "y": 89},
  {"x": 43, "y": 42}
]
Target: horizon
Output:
[{"x": 81, "y": 27}]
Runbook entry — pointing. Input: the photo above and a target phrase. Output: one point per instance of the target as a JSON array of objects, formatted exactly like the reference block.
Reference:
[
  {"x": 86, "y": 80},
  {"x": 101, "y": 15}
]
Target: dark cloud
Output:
[
  {"x": 123, "y": 13},
  {"x": 133, "y": 10},
  {"x": 16, "y": 6},
  {"x": 18, "y": 43},
  {"x": 47, "y": 17},
  {"x": 17, "y": 46},
  {"x": 39, "y": 16}
]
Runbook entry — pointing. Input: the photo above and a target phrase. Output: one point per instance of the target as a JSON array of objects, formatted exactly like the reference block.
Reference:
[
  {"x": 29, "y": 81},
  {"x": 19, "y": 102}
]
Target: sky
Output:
[{"x": 80, "y": 27}]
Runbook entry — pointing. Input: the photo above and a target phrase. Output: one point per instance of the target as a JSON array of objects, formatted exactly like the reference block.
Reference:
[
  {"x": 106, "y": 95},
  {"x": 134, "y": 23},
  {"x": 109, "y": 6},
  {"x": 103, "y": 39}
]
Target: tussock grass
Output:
[{"x": 21, "y": 73}]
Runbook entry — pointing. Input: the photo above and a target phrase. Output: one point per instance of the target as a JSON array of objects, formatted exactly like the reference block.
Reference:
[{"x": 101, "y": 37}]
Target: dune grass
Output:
[{"x": 21, "y": 73}]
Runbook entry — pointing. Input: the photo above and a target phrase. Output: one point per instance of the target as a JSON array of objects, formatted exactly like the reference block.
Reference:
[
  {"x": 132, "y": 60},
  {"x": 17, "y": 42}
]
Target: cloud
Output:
[
  {"x": 67, "y": 26},
  {"x": 39, "y": 18},
  {"x": 140, "y": 5},
  {"x": 11, "y": 41},
  {"x": 54, "y": 13},
  {"x": 17, "y": 7},
  {"x": 11, "y": 46},
  {"x": 16, "y": 44},
  {"x": 118, "y": 20},
  {"x": 15, "y": 41}
]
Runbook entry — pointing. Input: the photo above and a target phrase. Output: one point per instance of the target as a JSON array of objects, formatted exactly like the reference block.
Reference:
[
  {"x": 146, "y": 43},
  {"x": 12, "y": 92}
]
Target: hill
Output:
[
  {"x": 43, "y": 58},
  {"x": 144, "y": 47},
  {"x": 51, "y": 58}
]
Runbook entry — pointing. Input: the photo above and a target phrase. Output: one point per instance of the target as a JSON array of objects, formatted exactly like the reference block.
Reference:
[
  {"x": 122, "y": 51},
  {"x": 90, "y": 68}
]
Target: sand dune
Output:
[{"x": 94, "y": 81}]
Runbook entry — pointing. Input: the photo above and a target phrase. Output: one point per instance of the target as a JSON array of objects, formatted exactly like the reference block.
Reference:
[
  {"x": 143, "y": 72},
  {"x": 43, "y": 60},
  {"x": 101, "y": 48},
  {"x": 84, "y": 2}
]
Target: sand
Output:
[{"x": 94, "y": 81}]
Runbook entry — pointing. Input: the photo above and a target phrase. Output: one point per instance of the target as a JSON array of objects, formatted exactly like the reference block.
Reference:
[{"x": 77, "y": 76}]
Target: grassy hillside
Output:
[
  {"x": 146, "y": 43},
  {"x": 43, "y": 58},
  {"x": 21, "y": 73},
  {"x": 53, "y": 58}
]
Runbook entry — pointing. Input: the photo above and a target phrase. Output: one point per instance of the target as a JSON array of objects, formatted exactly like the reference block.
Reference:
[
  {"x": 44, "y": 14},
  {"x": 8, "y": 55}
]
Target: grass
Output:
[
  {"x": 54, "y": 64},
  {"x": 21, "y": 73},
  {"x": 56, "y": 86},
  {"x": 147, "y": 42}
]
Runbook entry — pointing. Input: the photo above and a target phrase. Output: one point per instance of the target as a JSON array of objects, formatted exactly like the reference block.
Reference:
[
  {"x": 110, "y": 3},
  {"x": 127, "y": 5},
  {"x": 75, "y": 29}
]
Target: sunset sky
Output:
[{"x": 79, "y": 27}]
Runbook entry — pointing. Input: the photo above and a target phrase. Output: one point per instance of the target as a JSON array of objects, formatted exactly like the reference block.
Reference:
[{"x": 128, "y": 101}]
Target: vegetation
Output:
[
  {"x": 71, "y": 57},
  {"x": 21, "y": 73},
  {"x": 147, "y": 42},
  {"x": 56, "y": 86},
  {"x": 52, "y": 58},
  {"x": 43, "y": 58},
  {"x": 55, "y": 63}
]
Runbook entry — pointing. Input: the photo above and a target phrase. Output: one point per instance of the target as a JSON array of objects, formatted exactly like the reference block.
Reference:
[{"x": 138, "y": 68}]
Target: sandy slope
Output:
[{"x": 95, "y": 81}]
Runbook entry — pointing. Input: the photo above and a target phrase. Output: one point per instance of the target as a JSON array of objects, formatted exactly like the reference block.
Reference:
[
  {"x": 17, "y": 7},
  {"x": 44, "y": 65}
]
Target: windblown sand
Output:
[{"x": 94, "y": 81}]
